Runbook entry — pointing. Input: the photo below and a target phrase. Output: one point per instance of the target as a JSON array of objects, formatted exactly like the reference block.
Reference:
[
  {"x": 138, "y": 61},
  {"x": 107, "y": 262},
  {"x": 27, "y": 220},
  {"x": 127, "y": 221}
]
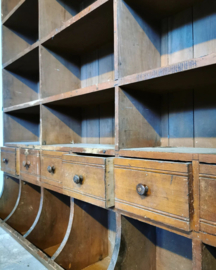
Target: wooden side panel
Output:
[
  {"x": 30, "y": 166},
  {"x": 53, "y": 14},
  {"x": 16, "y": 89},
  {"x": 8, "y": 160},
  {"x": 139, "y": 41},
  {"x": 60, "y": 73},
  {"x": 25, "y": 212},
  {"x": 204, "y": 27},
  {"x": 12, "y": 44},
  {"x": 9, "y": 195},
  {"x": 60, "y": 125},
  {"x": 145, "y": 131},
  {"x": 7, "y": 7}
]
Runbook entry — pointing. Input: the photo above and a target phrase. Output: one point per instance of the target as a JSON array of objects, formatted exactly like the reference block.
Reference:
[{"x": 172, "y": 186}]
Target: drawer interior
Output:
[{"x": 208, "y": 257}]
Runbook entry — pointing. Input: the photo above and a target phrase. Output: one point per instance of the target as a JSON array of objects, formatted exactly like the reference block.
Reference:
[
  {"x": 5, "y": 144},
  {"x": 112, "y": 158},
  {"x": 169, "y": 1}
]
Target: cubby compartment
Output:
[
  {"x": 153, "y": 34},
  {"x": 21, "y": 79},
  {"x": 208, "y": 257},
  {"x": 143, "y": 246},
  {"x": 90, "y": 238},
  {"x": 81, "y": 55},
  {"x": 22, "y": 126},
  {"x": 20, "y": 29},
  {"x": 86, "y": 120},
  {"x": 167, "y": 119},
  {"x": 54, "y": 13},
  {"x": 50, "y": 226}
]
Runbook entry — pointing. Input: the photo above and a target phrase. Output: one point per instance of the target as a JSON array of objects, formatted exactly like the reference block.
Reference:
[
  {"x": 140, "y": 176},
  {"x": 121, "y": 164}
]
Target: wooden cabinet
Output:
[
  {"x": 155, "y": 190},
  {"x": 8, "y": 160},
  {"x": 89, "y": 179},
  {"x": 207, "y": 177},
  {"x": 30, "y": 165}
]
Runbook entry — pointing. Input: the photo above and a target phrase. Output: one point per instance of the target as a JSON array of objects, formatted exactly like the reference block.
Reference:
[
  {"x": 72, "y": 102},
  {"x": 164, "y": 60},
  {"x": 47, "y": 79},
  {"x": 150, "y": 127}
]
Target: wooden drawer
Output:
[
  {"x": 8, "y": 160},
  {"x": 168, "y": 197},
  {"x": 30, "y": 165},
  {"x": 207, "y": 176},
  {"x": 95, "y": 174},
  {"x": 51, "y": 168}
]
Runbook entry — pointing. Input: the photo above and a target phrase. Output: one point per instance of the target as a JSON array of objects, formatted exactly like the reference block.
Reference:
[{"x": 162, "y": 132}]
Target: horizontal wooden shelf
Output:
[
  {"x": 168, "y": 153},
  {"x": 183, "y": 75}
]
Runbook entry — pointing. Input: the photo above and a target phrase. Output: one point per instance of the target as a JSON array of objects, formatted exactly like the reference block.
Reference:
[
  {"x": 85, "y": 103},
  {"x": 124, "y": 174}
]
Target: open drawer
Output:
[{"x": 155, "y": 190}]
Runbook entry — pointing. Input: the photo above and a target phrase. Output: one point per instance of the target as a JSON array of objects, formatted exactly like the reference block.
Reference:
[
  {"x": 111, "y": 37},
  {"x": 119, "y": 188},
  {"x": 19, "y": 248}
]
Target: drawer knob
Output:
[
  {"x": 26, "y": 164},
  {"x": 142, "y": 189},
  {"x": 5, "y": 160},
  {"x": 51, "y": 169},
  {"x": 78, "y": 179}
]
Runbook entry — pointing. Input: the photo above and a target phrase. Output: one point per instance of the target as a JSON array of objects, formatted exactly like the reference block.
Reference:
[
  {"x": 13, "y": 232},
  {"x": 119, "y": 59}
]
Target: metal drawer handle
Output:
[
  {"x": 5, "y": 160},
  {"x": 26, "y": 164},
  {"x": 51, "y": 169},
  {"x": 78, "y": 179},
  {"x": 141, "y": 189}
]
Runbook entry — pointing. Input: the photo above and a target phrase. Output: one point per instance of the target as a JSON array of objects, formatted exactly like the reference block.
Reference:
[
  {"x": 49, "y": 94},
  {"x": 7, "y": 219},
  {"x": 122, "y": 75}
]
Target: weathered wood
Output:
[{"x": 9, "y": 195}]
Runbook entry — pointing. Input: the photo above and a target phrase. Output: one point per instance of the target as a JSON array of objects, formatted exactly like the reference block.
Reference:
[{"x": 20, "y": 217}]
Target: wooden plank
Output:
[{"x": 139, "y": 41}]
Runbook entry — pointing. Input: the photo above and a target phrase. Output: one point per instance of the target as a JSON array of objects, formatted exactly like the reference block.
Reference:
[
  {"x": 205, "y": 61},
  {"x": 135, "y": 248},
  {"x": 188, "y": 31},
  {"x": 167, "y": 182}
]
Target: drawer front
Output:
[
  {"x": 89, "y": 179},
  {"x": 165, "y": 188},
  {"x": 30, "y": 165},
  {"x": 207, "y": 177},
  {"x": 8, "y": 160},
  {"x": 51, "y": 168}
]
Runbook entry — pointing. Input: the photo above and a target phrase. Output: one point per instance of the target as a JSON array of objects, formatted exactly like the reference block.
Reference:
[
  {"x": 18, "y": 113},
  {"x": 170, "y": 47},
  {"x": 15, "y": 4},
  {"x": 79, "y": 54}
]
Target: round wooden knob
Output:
[
  {"x": 51, "y": 169},
  {"x": 142, "y": 189},
  {"x": 78, "y": 179},
  {"x": 26, "y": 164},
  {"x": 4, "y": 160}
]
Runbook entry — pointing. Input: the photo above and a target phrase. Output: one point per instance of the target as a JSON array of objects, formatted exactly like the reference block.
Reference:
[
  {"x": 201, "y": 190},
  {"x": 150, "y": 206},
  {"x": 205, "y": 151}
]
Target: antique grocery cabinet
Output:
[{"x": 109, "y": 111}]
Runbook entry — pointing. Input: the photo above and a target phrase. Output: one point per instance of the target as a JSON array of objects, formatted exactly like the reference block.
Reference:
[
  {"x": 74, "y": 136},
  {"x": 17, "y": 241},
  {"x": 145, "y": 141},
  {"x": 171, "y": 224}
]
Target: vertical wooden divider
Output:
[
  {"x": 26, "y": 208},
  {"x": 197, "y": 247},
  {"x": 8, "y": 198}
]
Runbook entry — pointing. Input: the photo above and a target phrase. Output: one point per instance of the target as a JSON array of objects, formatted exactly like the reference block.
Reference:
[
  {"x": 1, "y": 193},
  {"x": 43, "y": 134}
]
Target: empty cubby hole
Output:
[
  {"x": 21, "y": 80},
  {"x": 54, "y": 13},
  {"x": 22, "y": 126},
  {"x": 91, "y": 226},
  {"x": 208, "y": 257},
  {"x": 20, "y": 30},
  {"x": 152, "y": 34},
  {"x": 81, "y": 55},
  {"x": 86, "y": 119},
  {"x": 8, "y": 6},
  {"x": 147, "y": 247},
  {"x": 178, "y": 118}
]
